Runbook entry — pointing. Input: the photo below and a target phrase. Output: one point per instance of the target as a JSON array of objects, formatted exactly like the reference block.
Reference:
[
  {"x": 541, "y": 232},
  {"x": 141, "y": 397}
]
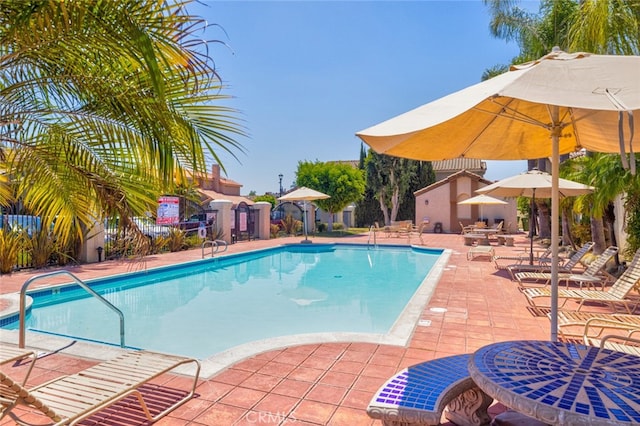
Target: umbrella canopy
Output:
[
  {"x": 532, "y": 184},
  {"x": 304, "y": 194},
  {"x": 481, "y": 200},
  {"x": 574, "y": 101}
]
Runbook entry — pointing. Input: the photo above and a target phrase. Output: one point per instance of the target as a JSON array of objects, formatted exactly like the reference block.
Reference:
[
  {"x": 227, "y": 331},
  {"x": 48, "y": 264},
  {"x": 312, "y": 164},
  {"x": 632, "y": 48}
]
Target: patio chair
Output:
[
  {"x": 70, "y": 399},
  {"x": 465, "y": 229},
  {"x": 567, "y": 267},
  {"x": 594, "y": 274},
  {"x": 598, "y": 331},
  {"x": 617, "y": 294}
]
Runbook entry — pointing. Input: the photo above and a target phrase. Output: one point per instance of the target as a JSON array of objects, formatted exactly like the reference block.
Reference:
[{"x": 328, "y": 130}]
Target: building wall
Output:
[{"x": 443, "y": 207}]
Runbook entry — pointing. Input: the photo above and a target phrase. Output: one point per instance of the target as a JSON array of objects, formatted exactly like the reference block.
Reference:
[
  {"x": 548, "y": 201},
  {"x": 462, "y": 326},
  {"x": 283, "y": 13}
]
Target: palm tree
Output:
[{"x": 105, "y": 105}]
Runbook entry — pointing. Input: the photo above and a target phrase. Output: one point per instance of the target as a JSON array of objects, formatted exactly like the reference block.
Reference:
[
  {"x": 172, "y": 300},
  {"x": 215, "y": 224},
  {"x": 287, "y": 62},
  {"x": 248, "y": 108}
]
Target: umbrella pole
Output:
[
  {"x": 555, "y": 228},
  {"x": 304, "y": 219},
  {"x": 531, "y": 217}
]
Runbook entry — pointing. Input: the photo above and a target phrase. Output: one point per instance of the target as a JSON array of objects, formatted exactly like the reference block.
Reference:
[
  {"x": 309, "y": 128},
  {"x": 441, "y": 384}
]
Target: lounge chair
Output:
[
  {"x": 12, "y": 353},
  {"x": 594, "y": 274},
  {"x": 520, "y": 259},
  {"x": 418, "y": 230},
  {"x": 598, "y": 329},
  {"x": 573, "y": 324},
  {"x": 626, "y": 344},
  {"x": 68, "y": 400},
  {"x": 617, "y": 294},
  {"x": 567, "y": 267}
]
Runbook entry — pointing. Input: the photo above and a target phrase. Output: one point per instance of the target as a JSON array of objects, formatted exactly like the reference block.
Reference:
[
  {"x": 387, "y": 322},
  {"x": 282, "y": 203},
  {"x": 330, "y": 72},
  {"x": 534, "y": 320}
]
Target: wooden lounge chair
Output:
[
  {"x": 567, "y": 267},
  {"x": 70, "y": 399},
  {"x": 617, "y": 294},
  {"x": 594, "y": 274}
]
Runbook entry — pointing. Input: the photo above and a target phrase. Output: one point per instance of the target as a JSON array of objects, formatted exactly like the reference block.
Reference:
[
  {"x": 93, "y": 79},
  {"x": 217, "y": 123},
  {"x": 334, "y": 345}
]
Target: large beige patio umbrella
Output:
[
  {"x": 481, "y": 200},
  {"x": 304, "y": 194},
  {"x": 555, "y": 105},
  {"x": 532, "y": 184}
]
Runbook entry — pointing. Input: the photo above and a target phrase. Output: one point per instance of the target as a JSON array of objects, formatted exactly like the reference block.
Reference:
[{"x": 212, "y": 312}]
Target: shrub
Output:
[
  {"x": 42, "y": 248},
  {"x": 290, "y": 225},
  {"x": 274, "y": 230},
  {"x": 321, "y": 227},
  {"x": 177, "y": 240},
  {"x": 12, "y": 242}
]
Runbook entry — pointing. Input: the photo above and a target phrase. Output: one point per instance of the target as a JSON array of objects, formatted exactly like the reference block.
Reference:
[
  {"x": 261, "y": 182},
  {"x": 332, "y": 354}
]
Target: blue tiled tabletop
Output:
[{"x": 561, "y": 383}]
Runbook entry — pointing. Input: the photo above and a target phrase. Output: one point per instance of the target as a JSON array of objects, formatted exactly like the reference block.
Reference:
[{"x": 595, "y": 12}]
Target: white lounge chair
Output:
[{"x": 70, "y": 399}]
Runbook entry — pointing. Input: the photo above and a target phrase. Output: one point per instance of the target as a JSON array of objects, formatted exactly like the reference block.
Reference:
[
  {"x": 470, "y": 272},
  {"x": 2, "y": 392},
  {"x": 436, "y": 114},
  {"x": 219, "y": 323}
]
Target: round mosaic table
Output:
[{"x": 561, "y": 383}]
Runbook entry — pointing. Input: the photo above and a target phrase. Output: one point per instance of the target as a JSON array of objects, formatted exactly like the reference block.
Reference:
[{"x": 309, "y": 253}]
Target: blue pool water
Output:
[{"x": 209, "y": 306}]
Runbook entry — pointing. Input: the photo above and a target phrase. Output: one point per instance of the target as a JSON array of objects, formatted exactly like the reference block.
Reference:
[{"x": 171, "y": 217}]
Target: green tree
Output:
[
  {"x": 393, "y": 180},
  {"x": 268, "y": 198},
  {"x": 342, "y": 182},
  {"x": 106, "y": 105}
]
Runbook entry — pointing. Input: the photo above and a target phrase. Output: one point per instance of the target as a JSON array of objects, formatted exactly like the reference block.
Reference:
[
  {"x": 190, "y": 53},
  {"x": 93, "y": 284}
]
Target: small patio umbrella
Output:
[
  {"x": 531, "y": 184},
  {"x": 481, "y": 200},
  {"x": 555, "y": 105},
  {"x": 304, "y": 194}
]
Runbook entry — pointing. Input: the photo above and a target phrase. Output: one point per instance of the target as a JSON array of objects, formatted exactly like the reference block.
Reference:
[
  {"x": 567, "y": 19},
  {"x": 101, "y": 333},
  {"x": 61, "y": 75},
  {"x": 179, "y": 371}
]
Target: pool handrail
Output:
[
  {"x": 79, "y": 282},
  {"x": 216, "y": 244},
  {"x": 372, "y": 231}
]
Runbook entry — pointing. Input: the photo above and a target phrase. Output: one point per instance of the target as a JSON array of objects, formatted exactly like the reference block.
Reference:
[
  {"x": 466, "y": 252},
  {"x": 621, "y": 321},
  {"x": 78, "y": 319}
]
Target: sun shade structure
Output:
[
  {"x": 532, "y": 184},
  {"x": 482, "y": 200},
  {"x": 555, "y": 105},
  {"x": 304, "y": 194}
]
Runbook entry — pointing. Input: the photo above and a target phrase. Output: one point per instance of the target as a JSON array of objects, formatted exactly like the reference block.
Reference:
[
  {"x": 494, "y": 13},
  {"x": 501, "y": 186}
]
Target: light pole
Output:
[{"x": 280, "y": 176}]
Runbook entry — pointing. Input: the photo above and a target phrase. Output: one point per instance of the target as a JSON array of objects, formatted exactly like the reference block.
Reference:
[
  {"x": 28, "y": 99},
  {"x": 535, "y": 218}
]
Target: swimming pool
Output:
[{"x": 212, "y": 306}]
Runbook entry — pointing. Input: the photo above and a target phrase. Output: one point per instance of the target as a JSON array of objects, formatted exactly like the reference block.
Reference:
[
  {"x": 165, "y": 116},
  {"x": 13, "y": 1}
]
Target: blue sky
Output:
[{"x": 307, "y": 75}]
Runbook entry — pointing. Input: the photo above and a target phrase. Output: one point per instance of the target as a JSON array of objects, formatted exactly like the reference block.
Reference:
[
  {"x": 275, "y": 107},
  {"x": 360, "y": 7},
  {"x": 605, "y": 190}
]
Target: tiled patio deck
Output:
[{"x": 329, "y": 383}]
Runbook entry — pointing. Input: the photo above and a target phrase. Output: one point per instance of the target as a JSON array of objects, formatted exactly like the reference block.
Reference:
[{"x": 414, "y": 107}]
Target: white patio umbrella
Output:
[
  {"x": 481, "y": 200},
  {"x": 304, "y": 194},
  {"x": 574, "y": 101},
  {"x": 531, "y": 184}
]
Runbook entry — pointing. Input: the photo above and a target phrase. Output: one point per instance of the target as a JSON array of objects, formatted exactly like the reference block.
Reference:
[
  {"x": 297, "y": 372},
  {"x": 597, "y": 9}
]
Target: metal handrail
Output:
[
  {"x": 214, "y": 244},
  {"x": 223, "y": 242},
  {"x": 78, "y": 281},
  {"x": 372, "y": 231}
]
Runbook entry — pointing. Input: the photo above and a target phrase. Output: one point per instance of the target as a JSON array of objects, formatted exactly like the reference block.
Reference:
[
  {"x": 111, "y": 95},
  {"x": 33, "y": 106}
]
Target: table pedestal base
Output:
[{"x": 470, "y": 408}]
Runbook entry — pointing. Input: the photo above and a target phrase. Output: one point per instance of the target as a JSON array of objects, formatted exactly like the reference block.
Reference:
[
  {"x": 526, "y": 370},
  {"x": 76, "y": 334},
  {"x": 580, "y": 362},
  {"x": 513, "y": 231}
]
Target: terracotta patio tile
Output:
[
  {"x": 326, "y": 393},
  {"x": 337, "y": 378},
  {"x": 261, "y": 382},
  {"x": 352, "y": 367},
  {"x": 232, "y": 376},
  {"x": 346, "y": 416},
  {"x": 242, "y": 397},
  {"x": 306, "y": 374},
  {"x": 294, "y": 388},
  {"x": 357, "y": 399},
  {"x": 279, "y": 369},
  {"x": 314, "y": 412},
  {"x": 273, "y": 403},
  {"x": 221, "y": 414}
]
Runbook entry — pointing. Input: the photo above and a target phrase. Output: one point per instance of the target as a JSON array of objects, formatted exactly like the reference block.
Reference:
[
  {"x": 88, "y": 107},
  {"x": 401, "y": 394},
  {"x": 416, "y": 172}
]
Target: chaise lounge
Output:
[
  {"x": 617, "y": 294},
  {"x": 70, "y": 399}
]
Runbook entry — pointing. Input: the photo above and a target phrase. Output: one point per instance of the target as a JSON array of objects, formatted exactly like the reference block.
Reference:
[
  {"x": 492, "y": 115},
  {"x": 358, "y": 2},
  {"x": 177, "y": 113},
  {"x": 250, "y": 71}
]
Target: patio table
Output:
[{"x": 561, "y": 383}]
